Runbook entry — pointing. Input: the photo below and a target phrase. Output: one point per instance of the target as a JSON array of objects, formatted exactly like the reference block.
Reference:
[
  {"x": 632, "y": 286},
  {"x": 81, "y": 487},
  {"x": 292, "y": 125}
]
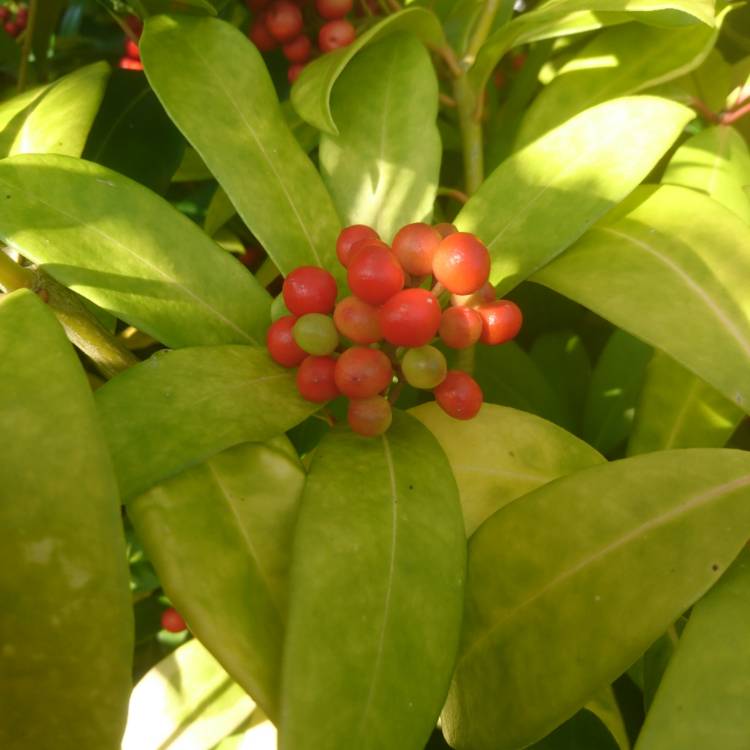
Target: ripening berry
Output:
[
  {"x": 22, "y": 17},
  {"x": 370, "y": 416},
  {"x": 349, "y": 237},
  {"x": 316, "y": 334},
  {"x": 315, "y": 380},
  {"x": 375, "y": 275},
  {"x": 309, "y": 289},
  {"x": 332, "y": 9},
  {"x": 424, "y": 367},
  {"x": 261, "y": 37},
  {"x": 298, "y": 50},
  {"x": 501, "y": 321},
  {"x": 12, "y": 28},
  {"x": 131, "y": 49},
  {"x": 4, "y": 13},
  {"x": 357, "y": 321},
  {"x": 127, "y": 63},
  {"x": 410, "y": 318},
  {"x": 485, "y": 293},
  {"x": 281, "y": 344},
  {"x": 294, "y": 71},
  {"x": 459, "y": 395},
  {"x": 362, "y": 372},
  {"x": 336, "y": 34},
  {"x": 414, "y": 245},
  {"x": 284, "y": 20},
  {"x": 445, "y": 229},
  {"x": 461, "y": 263},
  {"x": 460, "y": 327},
  {"x": 171, "y": 620}
]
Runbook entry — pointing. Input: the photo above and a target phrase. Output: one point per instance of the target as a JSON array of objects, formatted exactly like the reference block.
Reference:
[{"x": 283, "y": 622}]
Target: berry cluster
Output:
[
  {"x": 391, "y": 319},
  {"x": 14, "y": 23},
  {"x": 284, "y": 23},
  {"x": 131, "y": 60}
]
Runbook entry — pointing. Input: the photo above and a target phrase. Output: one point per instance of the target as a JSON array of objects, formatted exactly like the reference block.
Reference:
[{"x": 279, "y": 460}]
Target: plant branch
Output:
[
  {"x": 481, "y": 32},
  {"x": 739, "y": 112},
  {"x": 457, "y": 195},
  {"x": 471, "y": 134},
  {"x": 28, "y": 38}
]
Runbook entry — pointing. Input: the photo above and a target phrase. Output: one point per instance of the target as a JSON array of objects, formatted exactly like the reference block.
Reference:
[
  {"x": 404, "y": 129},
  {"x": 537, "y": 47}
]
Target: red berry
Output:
[
  {"x": 294, "y": 71},
  {"x": 261, "y": 37},
  {"x": 370, "y": 416},
  {"x": 172, "y": 621},
  {"x": 349, "y": 237},
  {"x": 357, "y": 321},
  {"x": 485, "y": 293},
  {"x": 445, "y": 229},
  {"x": 332, "y": 9},
  {"x": 309, "y": 289},
  {"x": 414, "y": 245},
  {"x": 501, "y": 321},
  {"x": 284, "y": 20},
  {"x": 336, "y": 34},
  {"x": 375, "y": 275},
  {"x": 22, "y": 17},
  {"x": 131, "y": 49},
  {"x": 410, "y": 318},
  {"x": 362, "y": 372},
  {"x": 127, "y": 63},
  {"x": 460, "y": 327},
  {"x": 459, "y": 395},
  {"x": 135, "y": 24},
  {"x": 298, "y": 50},
  {"x": 461, "y": 263},
  {"x": 315, "y": 379},
  {"x": 12, "y": 28},
  {"x": 281, "y": 344},
  {"x": 256, "y": 5},
  {"x": 4, "y": 13}
]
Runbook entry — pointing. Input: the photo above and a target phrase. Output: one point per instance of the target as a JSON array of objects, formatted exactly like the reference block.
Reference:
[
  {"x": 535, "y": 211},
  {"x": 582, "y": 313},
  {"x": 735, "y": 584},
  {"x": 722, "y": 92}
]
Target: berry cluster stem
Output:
[
  {"x": 481, "y": 31},
  {"x": 471, "y": 133},
  {"x": 28, "y": 38}
]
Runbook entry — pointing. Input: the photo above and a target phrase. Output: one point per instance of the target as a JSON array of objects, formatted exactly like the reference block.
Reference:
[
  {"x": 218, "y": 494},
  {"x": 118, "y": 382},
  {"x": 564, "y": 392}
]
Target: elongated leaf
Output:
[
  {"x": 311, "y": 93},
  {"x": 261, "y": 736},
  {"x": 383, "y": 167},
  {"x": 543, "y": 198},
  {"x": 220, "y": 537},
  {"x": 677, "y": 257},
  {"x": 55, "y": 119},
  {"x": 703, "y": 697},
  {"x": 47, "y": 16},
  {"x": 503, "y": 454},
  {"x": 179, "y": 408},
  {"x": 133, "y": 135},
  {"x": 677, "y": 409},
  {"x": 375, "y": 593},
  {"x": 715, "y": 162},
  {"x": 615, "y": 386},
  {"x": 613, "y": 64},
  {"x": 186, "y": 701},
  {"x": 246, "y": 142},
  {"x": 66, "y": 622},
  {"x": 128, "y": 251},
  {"x": 570, "y": 584},
  {"x": 557, "y": 18}
]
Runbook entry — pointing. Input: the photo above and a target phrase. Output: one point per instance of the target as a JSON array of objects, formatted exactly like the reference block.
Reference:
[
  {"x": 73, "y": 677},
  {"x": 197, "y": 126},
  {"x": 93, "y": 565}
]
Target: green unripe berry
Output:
[
  {"x": 316, "y": 334},
  {"x": 424, "y": 367}
]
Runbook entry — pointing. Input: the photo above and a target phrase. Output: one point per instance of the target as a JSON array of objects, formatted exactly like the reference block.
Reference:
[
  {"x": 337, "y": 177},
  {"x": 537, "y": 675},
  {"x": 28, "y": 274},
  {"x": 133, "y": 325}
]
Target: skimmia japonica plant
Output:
[{"x": 374, "y": 375}]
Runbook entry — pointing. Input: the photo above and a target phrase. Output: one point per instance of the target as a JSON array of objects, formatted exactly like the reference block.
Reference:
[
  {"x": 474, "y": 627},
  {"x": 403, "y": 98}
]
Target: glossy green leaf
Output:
[
  {"x": 383, "y": 166},
  {"x": 614, "y": 390},
  {"x": 179, "y": 408},
  {"x": 564, "y": 361},
  {"x": 375, "y": 593},
  {"x": 509, "y": 377},
  {"x": 128, "y": 251},
  {"x": 260, "y": 736},
  {"x": 583, "y": 731},
  {"x": 246, "y": 142},
  {"x": 132, "y": 134},
  {"x": 702, "y": 700},
  {"x": 604, "y": 705},
  {"x": 677, "y": 256},
  {"x": 503, "y": 454},
  {"x": 677, "y": 409},
  {"x": 556, "y": 18},
  {"x": 568, "y": 585},
  {"x": 55, "y": 119},
  {"x": 220, "y": 210},
  {"x": 715, "y": 162},
  {"x": 613, "y": 64},
  {"x": 544, "y": 197},
  {"x": 311, "y": 93},
  {"x": 198, "y": 7},
  {"x": 46, "y": 20},
  {"x": 66, "y": 622},
  {"x": 220, "y": 537},
  {"x": 186, "y": 701}
]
